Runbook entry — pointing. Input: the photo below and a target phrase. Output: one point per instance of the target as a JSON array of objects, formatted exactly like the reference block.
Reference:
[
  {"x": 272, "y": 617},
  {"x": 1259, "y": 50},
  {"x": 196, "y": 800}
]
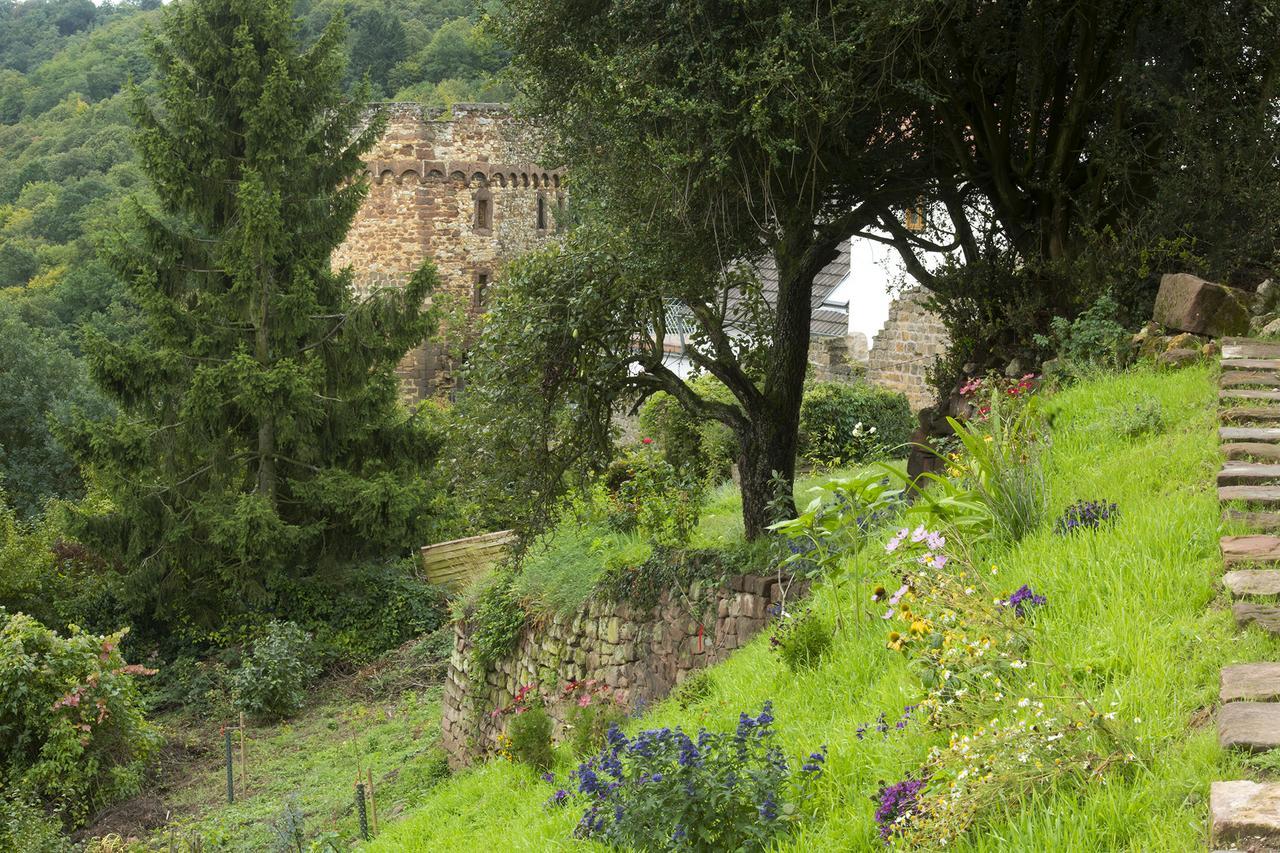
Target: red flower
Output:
[{"x": 646, "y": 440}]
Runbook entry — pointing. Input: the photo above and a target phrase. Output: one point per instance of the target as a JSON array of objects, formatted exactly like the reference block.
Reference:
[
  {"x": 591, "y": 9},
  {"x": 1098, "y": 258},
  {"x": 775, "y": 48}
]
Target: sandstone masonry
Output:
[
  {"x": 904, "y": 350},
  {"x": 459, "y": 187},
  {"x": 641, "y": 654}
]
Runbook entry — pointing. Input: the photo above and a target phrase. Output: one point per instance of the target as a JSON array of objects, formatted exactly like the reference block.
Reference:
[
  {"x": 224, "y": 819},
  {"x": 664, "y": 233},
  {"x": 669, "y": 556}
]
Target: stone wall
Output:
[
  {"x": 839, "y": 359},
  {"x": 428, "y": 175},
  {"x": 905, "y": 349},
  {"x": 641, "y": 654}
]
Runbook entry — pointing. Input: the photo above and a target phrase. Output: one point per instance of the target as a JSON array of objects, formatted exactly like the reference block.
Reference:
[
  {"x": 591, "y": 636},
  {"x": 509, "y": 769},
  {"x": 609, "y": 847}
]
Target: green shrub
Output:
[
  {"x": 365, "y": 610},
  {"x": 1143, "y": 417},
  {"x": 695, "y": 689},
  {"x": 1092, "y": 342},
  {"x": 496, "y": 620},
  {"x": 72, "y": 731},
  {"x": 698, "y": 448},
  {"x": 831, "y": 413},
  {"x": 645, "y": 493},
  {"x": 26, "y": 828},
  {"x": 802, "y": 640},
  {"x": 668, "y": 569},
  {"x": 530, "y": 734},
  {"x": 272, "y": 682}
]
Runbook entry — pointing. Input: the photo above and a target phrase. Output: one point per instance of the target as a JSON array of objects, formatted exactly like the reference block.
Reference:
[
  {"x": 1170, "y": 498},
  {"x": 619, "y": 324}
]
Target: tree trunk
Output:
[{"x": 767, "y": 469}]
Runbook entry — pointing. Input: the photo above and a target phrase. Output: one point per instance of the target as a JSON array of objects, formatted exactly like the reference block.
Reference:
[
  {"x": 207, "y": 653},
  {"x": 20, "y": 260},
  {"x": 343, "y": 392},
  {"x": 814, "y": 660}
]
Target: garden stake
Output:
[
  {"x": 231, "y": 776},
  {"x": 360, "y": 811},
  {"x": 373, "y": 803},
  {"x": 244, "y": 772}
]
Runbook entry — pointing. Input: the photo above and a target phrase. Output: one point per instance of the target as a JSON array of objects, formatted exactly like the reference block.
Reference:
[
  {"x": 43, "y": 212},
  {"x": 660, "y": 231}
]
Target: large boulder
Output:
[{"x": 1191, "y": 304}]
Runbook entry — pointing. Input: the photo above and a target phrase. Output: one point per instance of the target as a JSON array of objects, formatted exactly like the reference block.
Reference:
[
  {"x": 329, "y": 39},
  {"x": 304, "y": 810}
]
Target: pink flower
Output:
[
  {"x": 584, "y": 700},
  {"x": 935, "y": 541},
  {"x": 892, "y": 544},
  {"x": 646, "y": 440},
  {"x": 919, "y": 534},
  {"x": 897, "y": 596}
]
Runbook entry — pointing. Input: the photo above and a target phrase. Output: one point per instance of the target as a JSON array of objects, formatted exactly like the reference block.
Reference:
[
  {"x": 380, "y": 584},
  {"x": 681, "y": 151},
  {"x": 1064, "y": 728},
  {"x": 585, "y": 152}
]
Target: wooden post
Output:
[{"x": 373, "y": 803}]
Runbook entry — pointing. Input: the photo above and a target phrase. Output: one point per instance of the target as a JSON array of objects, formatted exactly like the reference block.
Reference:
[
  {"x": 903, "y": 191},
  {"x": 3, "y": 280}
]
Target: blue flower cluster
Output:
[
  {"x": 1085, "y": 515},
  {"x": 896, "y": 803},
  {"x": 650, "y": 790}
]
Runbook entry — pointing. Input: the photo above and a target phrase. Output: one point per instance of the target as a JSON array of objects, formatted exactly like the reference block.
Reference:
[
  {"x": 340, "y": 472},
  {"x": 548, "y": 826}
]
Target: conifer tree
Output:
[{"x": 260, "y": 439}]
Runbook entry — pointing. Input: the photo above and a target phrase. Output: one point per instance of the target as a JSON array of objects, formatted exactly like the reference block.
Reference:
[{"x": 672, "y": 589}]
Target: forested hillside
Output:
[{"x": 68, "y": 163}]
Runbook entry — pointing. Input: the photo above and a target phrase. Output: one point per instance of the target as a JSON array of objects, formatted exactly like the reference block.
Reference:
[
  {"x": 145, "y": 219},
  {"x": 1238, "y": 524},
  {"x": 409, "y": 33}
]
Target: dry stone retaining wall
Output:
[
  {"x": 641, "y": 654},
  {"x": 905, "y": 349}
]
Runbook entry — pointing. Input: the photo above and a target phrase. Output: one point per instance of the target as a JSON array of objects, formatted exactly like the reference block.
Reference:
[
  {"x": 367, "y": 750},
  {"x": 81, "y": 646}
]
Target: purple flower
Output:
[
  {"x": 549, "y": 778},
  {"x": 1023, "y": 599},
  {"x": 899, "y": 800},
  {"x": 920, "y": 534},
  {"x": 768, "y": 809}
]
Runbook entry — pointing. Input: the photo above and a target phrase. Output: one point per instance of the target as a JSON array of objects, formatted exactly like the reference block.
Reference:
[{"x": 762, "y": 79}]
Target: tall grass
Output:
[{"x": 1133, "y": 614}]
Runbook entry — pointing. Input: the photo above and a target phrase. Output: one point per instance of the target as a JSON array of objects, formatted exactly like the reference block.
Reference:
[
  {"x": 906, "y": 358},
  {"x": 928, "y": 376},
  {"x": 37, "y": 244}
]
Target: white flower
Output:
[
  {"x": 1023, "y": 702},
  {"x": 1019, "y": 664}
]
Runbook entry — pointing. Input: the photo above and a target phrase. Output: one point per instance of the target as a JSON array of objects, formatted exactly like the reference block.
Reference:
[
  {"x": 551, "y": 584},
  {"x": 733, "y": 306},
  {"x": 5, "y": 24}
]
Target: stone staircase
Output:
[{"x": 1245, "y": 814}]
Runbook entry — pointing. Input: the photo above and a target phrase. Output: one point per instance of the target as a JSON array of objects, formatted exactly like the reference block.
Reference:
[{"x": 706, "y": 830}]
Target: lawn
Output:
[{"x": 1135, "y": 606}]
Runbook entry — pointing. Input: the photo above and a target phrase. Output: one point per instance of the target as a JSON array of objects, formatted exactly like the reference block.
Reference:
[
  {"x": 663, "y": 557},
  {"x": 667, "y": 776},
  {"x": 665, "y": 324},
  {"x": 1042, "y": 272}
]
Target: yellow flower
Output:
[{"x": 919, "y": 627}]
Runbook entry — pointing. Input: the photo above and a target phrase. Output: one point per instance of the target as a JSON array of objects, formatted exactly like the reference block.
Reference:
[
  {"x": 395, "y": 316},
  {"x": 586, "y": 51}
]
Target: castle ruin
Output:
[{"x": 456, "y": 186}]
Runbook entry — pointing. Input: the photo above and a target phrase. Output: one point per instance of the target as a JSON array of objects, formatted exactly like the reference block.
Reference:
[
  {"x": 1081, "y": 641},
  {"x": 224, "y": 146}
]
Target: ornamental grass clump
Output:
[
  {"x": 665, "y": 790},
  {"x": 1085, "y": 515}
]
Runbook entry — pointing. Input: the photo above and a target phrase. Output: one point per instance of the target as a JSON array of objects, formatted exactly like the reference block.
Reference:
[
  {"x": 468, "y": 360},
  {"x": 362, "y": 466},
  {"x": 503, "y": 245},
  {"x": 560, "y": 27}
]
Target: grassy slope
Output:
[
  {"x": 312, "y": 757},
  {"x": 1134, "y": 604}
]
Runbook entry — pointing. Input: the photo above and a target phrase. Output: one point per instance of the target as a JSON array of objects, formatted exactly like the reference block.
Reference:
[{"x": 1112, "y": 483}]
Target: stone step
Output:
[
  {"x": 1250, "y": 364},
  {"x": 1248, "y": 394},
  {"x": 1257, "y": 548},
  {"x": 1256, "y": 520},
  {"x": 1264, "y": 616},
  {"x": 1249, "y": 378},
  {"x": 1249, "y": 414},
  {"x": 1245, "y": 812},
  {"x": 1251, "y": 450},
  {"x": 1252, "y": 583},
  {"x": 1249, "y": 726},
  {"x": 1247, "y": 473},
  {"x": 1271, "y": 434},
  {"x": 1250, "y": 682},
  {"x": 1236, "y": 348},
  {"x": 1267, "y": 495}
]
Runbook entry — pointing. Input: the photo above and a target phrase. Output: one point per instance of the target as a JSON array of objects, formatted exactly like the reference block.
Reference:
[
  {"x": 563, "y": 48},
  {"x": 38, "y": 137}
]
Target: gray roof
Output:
[{"x": 823, "y": 322}]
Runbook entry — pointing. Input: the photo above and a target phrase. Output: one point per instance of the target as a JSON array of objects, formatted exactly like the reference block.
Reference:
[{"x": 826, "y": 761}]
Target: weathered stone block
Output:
[
  {"x": 1251, "y": 726},
  {"x": 1244, "y": 812},
  {"x": 1191, "y": 304},
  {"x": 1255, "y": 682}
]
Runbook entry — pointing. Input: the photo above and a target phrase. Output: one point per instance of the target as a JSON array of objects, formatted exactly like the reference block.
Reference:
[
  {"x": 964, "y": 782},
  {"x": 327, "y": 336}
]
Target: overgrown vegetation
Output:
[{"x": 1078, "y": 609}]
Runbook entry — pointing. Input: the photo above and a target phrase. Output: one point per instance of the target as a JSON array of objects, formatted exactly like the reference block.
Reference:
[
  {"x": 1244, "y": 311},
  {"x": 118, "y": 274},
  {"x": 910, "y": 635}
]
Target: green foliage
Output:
[
  {"x": 250, "y": 454},
  {"x": 670, "y": 571},
  {"x": 529, "y": 731},
  {"x": 802, "y": 640},
  {"x": 1140, "y": 418},
  {"x": 26, "y": 828},
  {"x": 829, "y": 423},
  {"x": 41, "y": 382},
  {"x": 841, "y": 513},
  {"x": 589, "y": 724},
  {"x": 695, "y": 446},
  {"x": 272, "y": 682},
  {"x": 995, "y": 486},
  {"x": 1094, "y": 341},
  {"x": 644, "y": 493},
  {"x": 695, "y": 689},
  {"x": 496, "y": 620},
  {"x": 71, "y": 720}
]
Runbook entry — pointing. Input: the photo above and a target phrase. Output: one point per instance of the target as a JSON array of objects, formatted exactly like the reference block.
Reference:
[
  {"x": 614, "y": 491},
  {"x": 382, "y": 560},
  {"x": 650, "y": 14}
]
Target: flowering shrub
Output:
[
  {"x": 593, "y": 710},
  {"x": 72, "y": 732},
  {"x": 995, "y": 484},
  {"x": 843, "y": 423},
  {"x": 663, "y": 790},
  {"x": 1085, "y": 515}
]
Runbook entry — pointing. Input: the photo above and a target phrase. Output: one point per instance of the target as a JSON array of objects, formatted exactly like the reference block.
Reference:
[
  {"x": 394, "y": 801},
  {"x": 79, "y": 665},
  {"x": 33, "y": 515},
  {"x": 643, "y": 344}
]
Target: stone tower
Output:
[{"x": 458, "y": 186}]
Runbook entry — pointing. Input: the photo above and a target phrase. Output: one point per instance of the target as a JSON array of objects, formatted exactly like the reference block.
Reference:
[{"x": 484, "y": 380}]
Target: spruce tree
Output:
[{"x": 260, "y": 439}]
